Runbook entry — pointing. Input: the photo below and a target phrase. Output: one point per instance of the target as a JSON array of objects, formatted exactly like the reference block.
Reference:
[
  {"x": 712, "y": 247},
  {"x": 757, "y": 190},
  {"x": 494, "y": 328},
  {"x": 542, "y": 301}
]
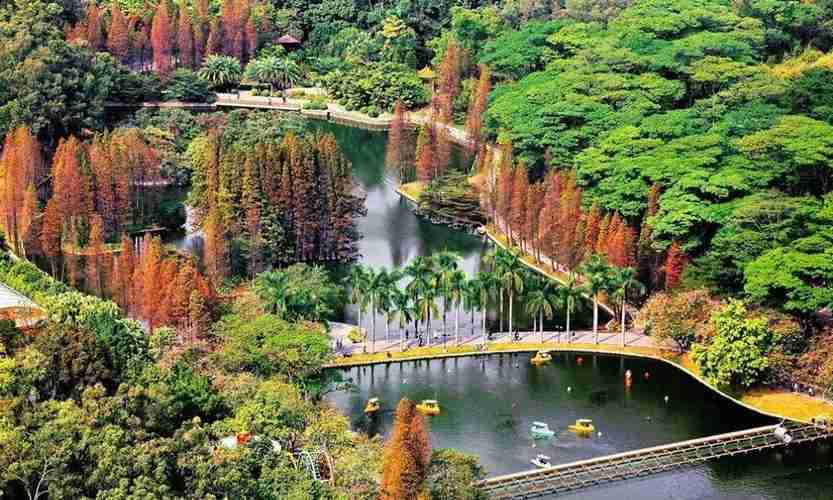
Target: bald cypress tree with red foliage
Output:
[
  {"x": 407, "y": 455},
  {"x": 397, "y": 154},
  {"x": 71, "y": 183},
  {"x": 572, "y": 239},
  {"x": 20, "y": 167},
  {"x": 214, "y": 42},
  {"x": 477, "y": 107},
  {"x": 234, "y": 16},
  {"x": 123, "y": 269},
  {"x": 505, "y": 182},
  {"x": 251, "y": 38},
  {"x": 425, "y": 153},
  {"x": 520, "y": 191},
  {"x": 50, "y": 236},
  {"x": 94, "y": 278},
  {"x": 442, "y": 150},
  {"x": 550, "y": 216},
  {"x": 167, "y": 280},
  {"x": 118, "y": 36},
  {"x": 630, "y": 242},
  {"x": 202, "y": 26},
  {"x": 593, "y": 221},
  {"x": 448, "y": 79},
  {"x": 161, "y": 36},
  {"x": 534, "y": 206},
  {"x": 95, "y": 35},
  {"x": 185, "y": 39},
  {"x": 184, "y": 284},
  {"x": 616, "y": 251},
  {"x": 675, "y": 264}
]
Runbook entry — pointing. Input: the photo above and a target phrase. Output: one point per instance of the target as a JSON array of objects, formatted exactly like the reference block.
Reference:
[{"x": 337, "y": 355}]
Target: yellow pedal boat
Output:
[
  {"x": 372, "y": 406},
  {"x": 540, "y": 358},
  {"x": 583, "y": 426},
  {"x": 428, "y": 407}
]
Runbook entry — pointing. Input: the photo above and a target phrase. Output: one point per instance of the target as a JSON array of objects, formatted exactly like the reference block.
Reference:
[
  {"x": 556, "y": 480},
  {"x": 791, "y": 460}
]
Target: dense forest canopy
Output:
[{"x": 725, "y": 106}]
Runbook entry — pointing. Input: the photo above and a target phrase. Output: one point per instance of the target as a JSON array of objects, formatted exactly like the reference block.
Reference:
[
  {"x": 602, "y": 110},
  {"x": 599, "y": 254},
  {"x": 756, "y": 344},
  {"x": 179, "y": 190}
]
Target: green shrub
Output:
[
  {"x": 317, "y": 102},
  {"x": 355, "y": 335},
  {"x": 187, "y": 86},
  {"x": 376, "y": 84}
]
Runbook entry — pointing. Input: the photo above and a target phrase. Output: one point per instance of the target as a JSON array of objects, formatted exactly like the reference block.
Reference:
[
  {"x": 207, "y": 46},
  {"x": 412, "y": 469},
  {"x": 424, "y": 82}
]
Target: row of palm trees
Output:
[
  {"x": 436, "y": 286},
  {"x": 225, "y": 72}
]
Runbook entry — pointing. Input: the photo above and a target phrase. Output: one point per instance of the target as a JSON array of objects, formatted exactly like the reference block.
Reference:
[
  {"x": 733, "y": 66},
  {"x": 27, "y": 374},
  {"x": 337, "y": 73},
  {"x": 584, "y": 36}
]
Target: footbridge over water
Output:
[{"x": 633, "y": 464}]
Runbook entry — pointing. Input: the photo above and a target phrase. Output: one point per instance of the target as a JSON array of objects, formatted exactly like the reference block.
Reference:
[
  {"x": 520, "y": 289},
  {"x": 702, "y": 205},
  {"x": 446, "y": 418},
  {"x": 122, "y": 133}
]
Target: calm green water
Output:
[{"x": 489, "y": 402}]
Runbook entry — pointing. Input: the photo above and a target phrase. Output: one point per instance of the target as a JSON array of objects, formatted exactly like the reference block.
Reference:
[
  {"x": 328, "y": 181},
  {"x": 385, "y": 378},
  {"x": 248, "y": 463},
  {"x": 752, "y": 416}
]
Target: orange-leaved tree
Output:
[{"x": 407, "y": 455}]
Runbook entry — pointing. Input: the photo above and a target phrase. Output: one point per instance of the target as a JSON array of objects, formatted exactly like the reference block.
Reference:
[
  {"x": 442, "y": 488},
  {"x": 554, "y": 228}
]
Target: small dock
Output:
[{"x": 639, "y": 463}]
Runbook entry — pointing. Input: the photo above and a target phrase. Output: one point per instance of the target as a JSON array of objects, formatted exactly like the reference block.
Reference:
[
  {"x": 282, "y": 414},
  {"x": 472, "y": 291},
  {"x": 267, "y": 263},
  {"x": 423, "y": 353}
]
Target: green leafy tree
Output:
[
  {"x": 300, "y": 293},
  {"x": 737, "y": 353},
  {"x": 452, "y": 474},
  {"x": 268, "y": 345},
  {"x": 222, "y": 72},
  {"x": 797, "y": 278},
  {"x": 46, "y": 84},
  {"x": 187, "y": 86}
]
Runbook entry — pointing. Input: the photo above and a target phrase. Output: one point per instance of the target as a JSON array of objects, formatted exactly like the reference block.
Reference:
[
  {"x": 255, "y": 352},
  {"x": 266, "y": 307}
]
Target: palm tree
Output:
[
  {"x": 403, "y": 310},
  {"x": 388, "y": 287},
  {"x": 288, "y": 74},
  {"x": 511, "y": 277},
  {"x": 265, "y": 70},
  {"x": 596, "y": 272},
  {"x": 273, "y": 289},
  {"x": 489, "y": 282},
  {"x": 222, "y": 72},
  {"x": 457, "y": 289},
  {"x": 623, "y": 279},
  {"x": 494, "y": 260},
  {"x": 538, "y": 304},
  {"x": 471, "y": 299},
  {"x": 571, "y": 291},
  {"x": 355, "y": 279},
  {"x": 426, "y": 305},
  {"x": 421, "y": 272},
  {"x": 373, "y": 288},
  {"x": 446, "y": 264}
]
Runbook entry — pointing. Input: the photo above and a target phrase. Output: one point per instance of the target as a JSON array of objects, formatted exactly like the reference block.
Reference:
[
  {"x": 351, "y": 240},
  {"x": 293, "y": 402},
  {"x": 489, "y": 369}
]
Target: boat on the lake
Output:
[
  {"x": 540, "y": 358},
  {"x": 541, "y": 461},
  {"x": 541, "y": 430},
  {"x": 372, "y": 406},
  {"x": 428, "y": 407},
  {"x": 583, "y": 426}
]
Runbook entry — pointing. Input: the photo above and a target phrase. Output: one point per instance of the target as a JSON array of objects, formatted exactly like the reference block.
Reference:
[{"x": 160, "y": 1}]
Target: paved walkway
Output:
[{"x": 609, "y": 339}]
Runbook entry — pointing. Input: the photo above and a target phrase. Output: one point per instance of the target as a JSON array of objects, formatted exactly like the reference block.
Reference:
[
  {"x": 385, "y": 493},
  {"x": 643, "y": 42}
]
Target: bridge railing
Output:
[{"x": 584, "y": 473}]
